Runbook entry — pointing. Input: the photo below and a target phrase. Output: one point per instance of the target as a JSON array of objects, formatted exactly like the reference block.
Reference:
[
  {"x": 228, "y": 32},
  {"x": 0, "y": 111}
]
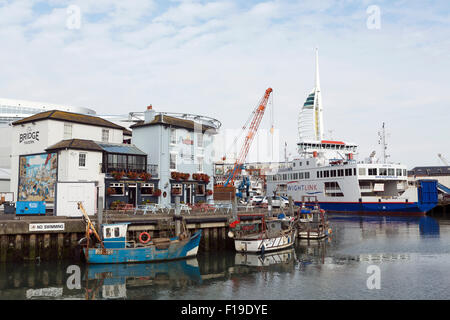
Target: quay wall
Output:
[{"x": 18, "y": 243}]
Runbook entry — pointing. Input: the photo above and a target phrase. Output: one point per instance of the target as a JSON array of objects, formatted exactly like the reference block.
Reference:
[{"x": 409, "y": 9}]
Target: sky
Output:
[{"x": 380, "y": 61}]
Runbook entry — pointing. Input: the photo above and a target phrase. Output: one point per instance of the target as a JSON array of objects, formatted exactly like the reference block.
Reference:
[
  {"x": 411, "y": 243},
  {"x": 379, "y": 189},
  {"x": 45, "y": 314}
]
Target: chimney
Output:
[{"x": 149, "y": 114}]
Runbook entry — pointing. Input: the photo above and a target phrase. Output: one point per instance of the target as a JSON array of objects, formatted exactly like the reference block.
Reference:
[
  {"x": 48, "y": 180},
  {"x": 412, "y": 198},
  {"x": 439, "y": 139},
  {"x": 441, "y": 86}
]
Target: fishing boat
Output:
[
  {"x": 312, "y": 223},
  {"x": 114, "y": 247},
  {"x": 256, "y": 233}
]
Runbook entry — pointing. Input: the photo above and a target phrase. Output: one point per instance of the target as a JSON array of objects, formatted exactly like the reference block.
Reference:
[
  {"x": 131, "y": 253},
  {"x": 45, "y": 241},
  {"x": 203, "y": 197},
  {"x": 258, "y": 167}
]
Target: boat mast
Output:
[{"x": 382, "y": 141}]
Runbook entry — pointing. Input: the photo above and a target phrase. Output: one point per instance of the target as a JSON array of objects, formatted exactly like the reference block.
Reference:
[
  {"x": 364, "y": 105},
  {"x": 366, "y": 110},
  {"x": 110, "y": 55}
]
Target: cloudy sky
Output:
[{"x": 380, "y": 61}]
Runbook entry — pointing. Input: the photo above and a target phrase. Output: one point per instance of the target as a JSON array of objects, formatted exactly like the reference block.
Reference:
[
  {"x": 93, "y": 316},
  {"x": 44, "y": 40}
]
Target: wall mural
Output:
[{"x": 37, "y": 177}]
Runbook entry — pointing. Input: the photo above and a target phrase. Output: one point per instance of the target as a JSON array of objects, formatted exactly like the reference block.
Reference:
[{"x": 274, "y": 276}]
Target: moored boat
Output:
[
  {"x": 114, "y": 247},
  {"x": 256, "y": 233},
  {"x": 312, "y": 223}
]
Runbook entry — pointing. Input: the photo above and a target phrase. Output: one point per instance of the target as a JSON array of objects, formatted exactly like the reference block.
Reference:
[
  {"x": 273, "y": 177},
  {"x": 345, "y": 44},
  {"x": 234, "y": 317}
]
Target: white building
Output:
[
  {"x": 182, "y": 148},
  {"x": 58, "y": 146}
]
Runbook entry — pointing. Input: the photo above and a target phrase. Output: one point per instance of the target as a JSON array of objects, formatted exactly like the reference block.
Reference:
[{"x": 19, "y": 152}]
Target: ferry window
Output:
[
  {"x": 362, "y": 171},
  {"x": 317, "y": 173},
  {"x": 108, "y": 232},
  {"x": 391, "y": 172},
  {"x": 307, "y": 163},
  {"x": 404, "y": 172},
  {"x": 284, "y": 176},
  {"x": 383, "y": 172},
  {"x": 333, "y": 173},
  {"x": 399, "y": 172},
  {"x": 321, "y": 174},
  {"x": 300, "y": 163},
  {"x": 293, "y": 164},
  {"x": 116, "y": 232},
  {"x": 326, "y": 173},
  {"x": 306, "y": 175},
  {"x": 354, "y": 171},
  {"x": 301, "y": 175},
  {"x": 372, "y": 171}
]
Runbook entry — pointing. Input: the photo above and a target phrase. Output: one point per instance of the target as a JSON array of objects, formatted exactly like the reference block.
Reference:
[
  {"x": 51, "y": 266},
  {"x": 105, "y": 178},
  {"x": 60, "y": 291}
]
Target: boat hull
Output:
[
  {"x": 384, "y": 208},
  {"x": 176, "y": 250},
  {"x": 265, "y": 245}
]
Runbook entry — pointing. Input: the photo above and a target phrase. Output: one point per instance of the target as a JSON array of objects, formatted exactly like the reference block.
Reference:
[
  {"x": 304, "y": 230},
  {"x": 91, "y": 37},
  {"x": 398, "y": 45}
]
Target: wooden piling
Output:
[
  {"x": 3, "y": 248},
  {"x": 60, "y": 245}
]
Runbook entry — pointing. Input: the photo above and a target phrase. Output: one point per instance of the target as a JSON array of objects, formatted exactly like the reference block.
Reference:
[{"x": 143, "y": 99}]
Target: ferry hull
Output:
[
  {"x": 179, "y": 250},
  {"x": 383, "y": 208}
]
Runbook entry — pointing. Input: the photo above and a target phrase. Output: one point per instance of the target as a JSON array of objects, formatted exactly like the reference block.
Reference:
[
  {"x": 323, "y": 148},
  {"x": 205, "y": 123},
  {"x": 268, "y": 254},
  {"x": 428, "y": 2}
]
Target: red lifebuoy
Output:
[{"x": 144, "y": 234}]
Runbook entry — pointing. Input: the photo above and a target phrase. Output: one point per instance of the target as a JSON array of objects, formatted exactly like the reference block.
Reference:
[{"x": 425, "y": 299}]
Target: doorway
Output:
[{"x": 132, "y": 194}]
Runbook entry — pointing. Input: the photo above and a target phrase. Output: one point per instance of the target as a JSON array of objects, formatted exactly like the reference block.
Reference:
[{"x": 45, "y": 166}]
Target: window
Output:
[
  {"x": 306, "y": 175},
  {"x": 399, "y": 172},
  {"x": 82, "y": 160},
  {"x": 307, "y": 163},
  {"x": 116, "y": 232},
  {"x": 340, "y": 172},
  {"x": 333, "y": 173},
  {"x": 404, "y": 172},
  {"x": 383, "y": 172},
  {"x": 317, "y": 174},
  {"x": 105, "y": 135},
  {"x": 391, "y": 172},
  {"x": 67, "y": 131},
  {"x": 108, "y": 232},
  {"x": 200, "y": 190},
  {"x": 115, "y": 189},
  {"x": 348, "y": 172},
  {"x": 301, "y": 175},
  {"x": 362, "y": 171},
  {"x": 173, "y": 161},
  {"x": 173, "y": 136},
  {"x": 372, "y": 171},
  {"x": 200, "y": 140},
  {"x": 200, "y": 164},
  {"x": 147, "y": 188},
  {"x": 321, "y": 174}
]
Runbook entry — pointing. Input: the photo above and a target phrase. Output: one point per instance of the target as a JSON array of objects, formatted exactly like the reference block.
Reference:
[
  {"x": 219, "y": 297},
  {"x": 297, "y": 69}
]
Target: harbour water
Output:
[{"x": 366, "y": 257}]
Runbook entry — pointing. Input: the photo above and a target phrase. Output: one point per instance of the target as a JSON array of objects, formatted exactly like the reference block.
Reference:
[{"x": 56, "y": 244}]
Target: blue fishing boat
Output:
[{"x": 114, "y": 247}]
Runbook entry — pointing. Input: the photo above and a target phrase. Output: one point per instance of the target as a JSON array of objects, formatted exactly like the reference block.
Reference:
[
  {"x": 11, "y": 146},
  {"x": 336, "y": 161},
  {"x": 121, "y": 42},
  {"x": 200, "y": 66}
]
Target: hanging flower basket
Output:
[
  {"x": 157, "y": 193},
  {"x": 209, "y": 192},
  {"x": 110, "y": 191},
  {"x": 118, "y": 175},
  {"x": 145, "y": 176},
  {"x": 132, "y": 175}
]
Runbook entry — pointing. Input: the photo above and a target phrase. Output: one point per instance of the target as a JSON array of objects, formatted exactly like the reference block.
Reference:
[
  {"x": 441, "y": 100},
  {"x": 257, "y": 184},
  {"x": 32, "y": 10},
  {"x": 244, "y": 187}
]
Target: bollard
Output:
[
  {"x": 291, "y": 206},
  {"x": 177, "y": 216}
]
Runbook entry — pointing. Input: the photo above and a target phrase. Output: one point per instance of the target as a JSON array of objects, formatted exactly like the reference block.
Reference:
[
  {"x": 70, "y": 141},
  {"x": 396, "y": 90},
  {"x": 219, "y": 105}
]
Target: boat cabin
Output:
[{"x": 115, "y": 235}]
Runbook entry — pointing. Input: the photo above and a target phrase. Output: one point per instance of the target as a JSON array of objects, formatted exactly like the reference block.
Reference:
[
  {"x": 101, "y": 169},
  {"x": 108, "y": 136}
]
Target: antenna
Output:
[{"x": 382, "y": 141}]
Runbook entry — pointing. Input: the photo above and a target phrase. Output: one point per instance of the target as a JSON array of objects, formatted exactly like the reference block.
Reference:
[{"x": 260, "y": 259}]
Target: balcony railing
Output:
[{"x": 130, "y": 167}]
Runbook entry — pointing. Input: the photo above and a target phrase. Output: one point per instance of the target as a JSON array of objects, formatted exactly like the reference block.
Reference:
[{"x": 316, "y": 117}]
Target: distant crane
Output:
[
  {"x": 256, "y": 120},
  {"x": 440, "y": 156}
]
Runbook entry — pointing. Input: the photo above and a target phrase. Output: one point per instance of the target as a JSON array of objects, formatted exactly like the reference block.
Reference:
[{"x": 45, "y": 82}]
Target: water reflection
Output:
[
  {"x": 110, "y": 281},
  {"x": 334, "y": 267}
]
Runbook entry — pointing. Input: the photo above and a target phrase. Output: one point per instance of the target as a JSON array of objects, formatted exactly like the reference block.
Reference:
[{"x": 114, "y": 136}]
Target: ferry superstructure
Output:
[{"x": 328, "y": 173}]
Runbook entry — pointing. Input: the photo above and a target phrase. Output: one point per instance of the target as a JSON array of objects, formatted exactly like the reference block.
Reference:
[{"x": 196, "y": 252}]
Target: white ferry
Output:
[{"x": 327, "y": 171}]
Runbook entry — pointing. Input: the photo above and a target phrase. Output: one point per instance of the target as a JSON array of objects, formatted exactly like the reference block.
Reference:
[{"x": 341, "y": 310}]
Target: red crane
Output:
[{"x": 256, "y": 120}]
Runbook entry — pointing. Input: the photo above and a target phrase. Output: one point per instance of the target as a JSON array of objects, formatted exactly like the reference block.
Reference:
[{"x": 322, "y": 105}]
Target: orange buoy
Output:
[{"x": 147, "y": 237}]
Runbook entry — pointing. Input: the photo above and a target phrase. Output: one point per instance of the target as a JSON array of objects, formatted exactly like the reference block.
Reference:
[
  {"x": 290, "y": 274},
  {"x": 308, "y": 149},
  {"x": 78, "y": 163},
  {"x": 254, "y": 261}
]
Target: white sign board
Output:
[
  {"x": 68, "y": 194},
  {"x": 46, "y": 227}
]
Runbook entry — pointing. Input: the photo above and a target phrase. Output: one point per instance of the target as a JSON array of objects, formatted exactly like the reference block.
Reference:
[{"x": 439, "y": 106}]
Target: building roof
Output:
[
  {"x": 89, "y": 145},
  {"x": 121, "y": 148},
  {"x": 172, "y": 121},
  {"x": 69, "y": 117},
  {"x": 430, "y": 171},
  {"x": 78, "y": 144}
]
